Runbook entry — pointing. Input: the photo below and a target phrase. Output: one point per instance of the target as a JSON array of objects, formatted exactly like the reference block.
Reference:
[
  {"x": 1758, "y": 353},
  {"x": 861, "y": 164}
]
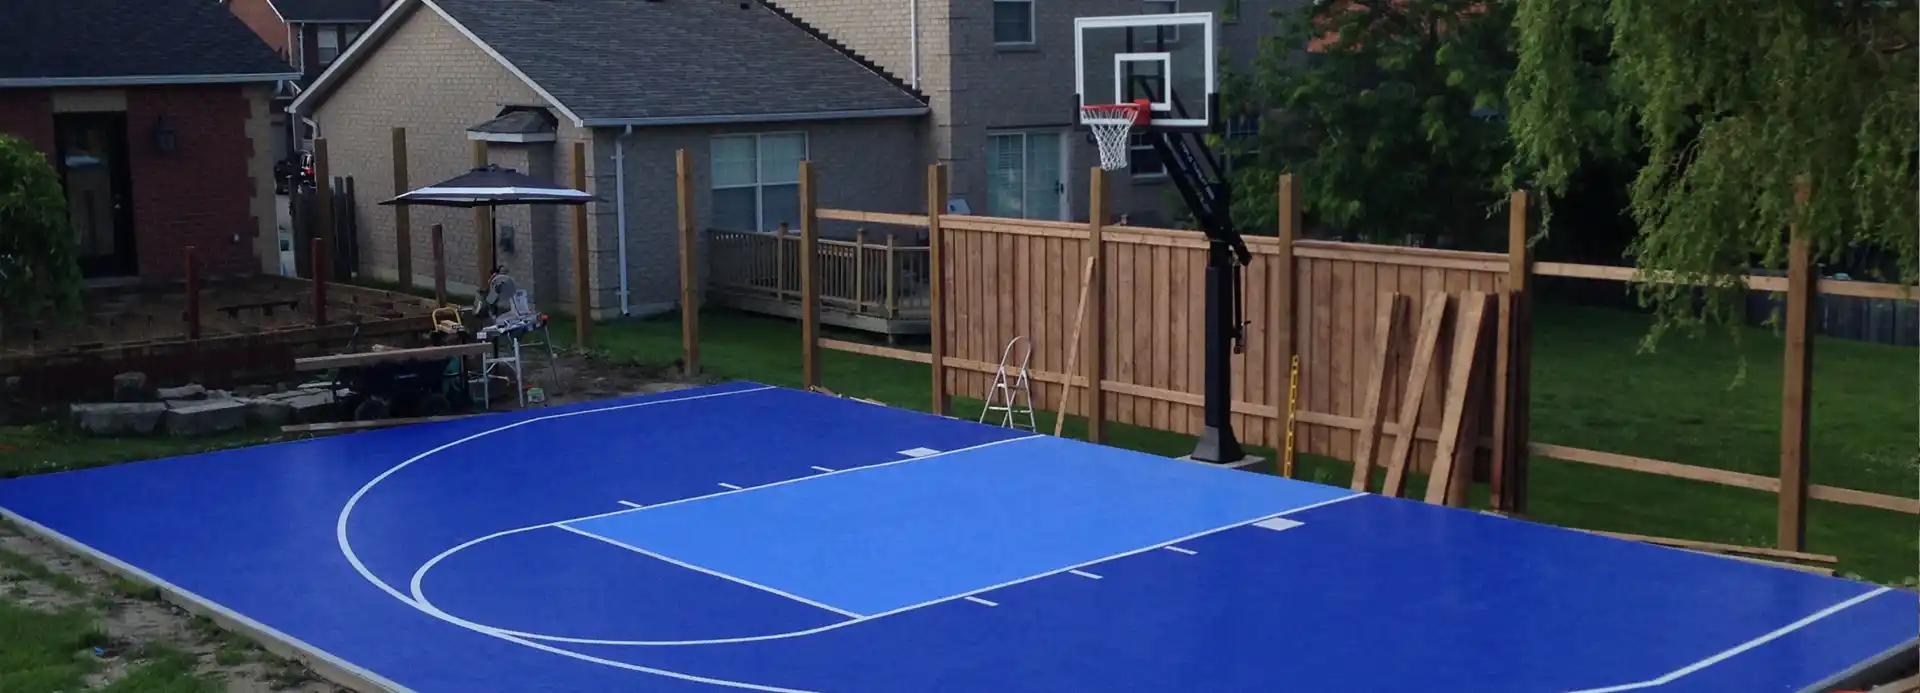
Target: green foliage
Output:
[
  {"x": 1378, "y": 122},
  {"x": 1733, "y": 106},
  {"x": 39, "y": 270}
]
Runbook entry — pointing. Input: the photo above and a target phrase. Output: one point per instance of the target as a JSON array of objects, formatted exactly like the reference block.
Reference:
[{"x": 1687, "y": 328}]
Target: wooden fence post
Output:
[
  {"x": 936, "y": 280},
  {"x": 1796, "y": 388},
  {"x": 860, "y": 270},
  {"x": 402, "y": 215},
  {"x": 809, "y": 278},
  {"x": 893, "y": 270},
  {"x": 1281, "y": 314},
  {"x": 193, "y": 295},
  {"x": 582, "y": 294},
  {"x": 1096, "y": 346},
  {"x": 689, "y": 271},
  {"x": 482, "y": 226},
  {"x": 322, "y": 193},
  {"x": 439, "y": 267},
  {"x": 319, "y": 255},
  {"x": 1512, "y": 373}
]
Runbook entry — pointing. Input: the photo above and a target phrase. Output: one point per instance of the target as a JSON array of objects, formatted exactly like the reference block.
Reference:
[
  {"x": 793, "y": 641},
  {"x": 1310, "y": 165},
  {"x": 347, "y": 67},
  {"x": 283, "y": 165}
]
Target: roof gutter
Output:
[
  {"x": 758, "y": 117},
  {"x": 145, "y": 80}
]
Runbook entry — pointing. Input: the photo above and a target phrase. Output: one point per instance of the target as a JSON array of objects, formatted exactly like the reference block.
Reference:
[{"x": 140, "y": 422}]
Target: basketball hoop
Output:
[{"x": 1111, "y": 124}]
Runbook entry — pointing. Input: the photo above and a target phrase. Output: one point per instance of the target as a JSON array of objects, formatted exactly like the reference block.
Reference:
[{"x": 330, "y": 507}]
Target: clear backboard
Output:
[{"x": 1167, "y": 59}]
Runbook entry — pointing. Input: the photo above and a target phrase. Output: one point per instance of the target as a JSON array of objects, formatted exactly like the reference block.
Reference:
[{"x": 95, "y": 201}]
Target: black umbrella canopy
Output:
[{"x": 490, "y": 186}]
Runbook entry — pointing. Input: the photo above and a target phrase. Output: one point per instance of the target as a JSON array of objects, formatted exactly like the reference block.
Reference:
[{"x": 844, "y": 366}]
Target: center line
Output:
[
  {"x": 1177, "y": 549},
  {"x": 978, "y": 600},
  {"x": 1084, "y": 574},
  {"x": 731, "y": 486}
]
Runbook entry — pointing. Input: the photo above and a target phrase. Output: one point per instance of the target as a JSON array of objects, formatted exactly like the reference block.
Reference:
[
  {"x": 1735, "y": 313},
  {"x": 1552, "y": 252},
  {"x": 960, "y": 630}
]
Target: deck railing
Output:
[{"x": 873, "y": 275}]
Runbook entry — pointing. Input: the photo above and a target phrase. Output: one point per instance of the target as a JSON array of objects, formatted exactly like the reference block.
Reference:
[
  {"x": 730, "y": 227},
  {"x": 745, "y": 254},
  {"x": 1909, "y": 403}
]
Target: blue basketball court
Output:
[{"x": 747, "y": 537}]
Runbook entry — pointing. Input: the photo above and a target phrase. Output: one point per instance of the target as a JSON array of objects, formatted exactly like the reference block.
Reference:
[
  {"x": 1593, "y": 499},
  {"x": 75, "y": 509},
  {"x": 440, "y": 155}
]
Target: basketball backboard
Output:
[{"x": 1167, "y": 59}]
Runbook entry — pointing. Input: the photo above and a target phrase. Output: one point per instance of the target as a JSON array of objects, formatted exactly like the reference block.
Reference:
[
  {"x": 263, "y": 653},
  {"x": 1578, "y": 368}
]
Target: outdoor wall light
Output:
[{"x": 164, "y": 139}]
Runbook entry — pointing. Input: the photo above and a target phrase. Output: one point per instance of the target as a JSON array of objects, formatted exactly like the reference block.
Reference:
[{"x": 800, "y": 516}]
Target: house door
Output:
[
  {"x": 1027, "y": 175},
  {"x": 93, "y": 169}
]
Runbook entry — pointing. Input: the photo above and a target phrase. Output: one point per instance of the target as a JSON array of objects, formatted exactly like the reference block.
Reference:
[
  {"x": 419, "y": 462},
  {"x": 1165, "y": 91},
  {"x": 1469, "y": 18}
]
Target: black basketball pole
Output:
[{"x": 1209, "y": 198}]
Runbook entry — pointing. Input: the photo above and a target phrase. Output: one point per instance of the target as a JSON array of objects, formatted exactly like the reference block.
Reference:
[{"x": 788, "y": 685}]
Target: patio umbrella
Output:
[{"x": 492, "y": 186}]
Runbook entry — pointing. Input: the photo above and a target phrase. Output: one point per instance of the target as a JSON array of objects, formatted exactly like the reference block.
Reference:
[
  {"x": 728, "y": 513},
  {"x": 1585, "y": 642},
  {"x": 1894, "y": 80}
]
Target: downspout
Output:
[
  {"x": 620, "y": 209},
  {"x": 913, "y": 42}
]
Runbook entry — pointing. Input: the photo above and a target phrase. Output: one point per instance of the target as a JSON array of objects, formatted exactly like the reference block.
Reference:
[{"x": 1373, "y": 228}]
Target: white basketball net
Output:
[{"x": 1111, "y": 125}]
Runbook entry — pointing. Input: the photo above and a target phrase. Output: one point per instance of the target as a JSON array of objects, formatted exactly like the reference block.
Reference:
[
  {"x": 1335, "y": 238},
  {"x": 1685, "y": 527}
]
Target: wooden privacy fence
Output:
[{"x": 1444, "y": 334}]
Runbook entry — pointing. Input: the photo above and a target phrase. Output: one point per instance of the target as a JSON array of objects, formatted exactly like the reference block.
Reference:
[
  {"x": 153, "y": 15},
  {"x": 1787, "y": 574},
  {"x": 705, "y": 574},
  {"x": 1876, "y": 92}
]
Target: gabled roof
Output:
[
  {"x": 51, "y": 43},
  {"x": 339, "y": 11},
  {"x": 658, "y": 62}
]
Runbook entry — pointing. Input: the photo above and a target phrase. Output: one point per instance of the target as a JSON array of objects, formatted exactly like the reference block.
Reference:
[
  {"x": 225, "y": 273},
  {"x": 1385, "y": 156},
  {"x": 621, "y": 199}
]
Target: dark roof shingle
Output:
[
  {"x": 678, "y": 59},
  {"x": 68, "y": 39},
  {"x": 327, "y": 10}
]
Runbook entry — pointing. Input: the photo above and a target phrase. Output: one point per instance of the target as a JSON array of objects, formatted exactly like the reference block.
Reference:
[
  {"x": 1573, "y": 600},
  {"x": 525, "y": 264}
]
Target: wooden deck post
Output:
[
  {"x": 319, "y": 255},
  {"x": 936, "y": 283},
  {"x": 893, "y": 271},
  {"x": 402, "y": 214},
  {"x": 439, "y": 267},
  {"x": 322, "y": 194},
  {"x": 860, "y": 270},
  {"x": 1280, "y": 363},
  {"x": 1796, "y": 388},
  {"x": 582, "y": 293},
  {"x": 482, "y": 226},
  {"x": 689, "y": 272},
  {"x": 809, "y": 278},
  {"x": 1506, "y": 473},
  {"x": 193, "y": 294},
  {"x": 1096, "y": 346}
]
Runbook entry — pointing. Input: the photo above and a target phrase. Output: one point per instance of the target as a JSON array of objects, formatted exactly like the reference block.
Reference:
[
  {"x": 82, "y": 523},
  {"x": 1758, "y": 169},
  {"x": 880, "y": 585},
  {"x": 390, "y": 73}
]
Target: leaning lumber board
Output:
[
  {"x": 1722, "y": 548},
  {"x": 1432, "y": 315},
  {"x": 1460, "y": 404},
  {"x": 1073, "y": 349},
  {"x": 349, "y": 426},
  {"x": 320, "y": 363},
  {"x": 1393, "y": 312}
]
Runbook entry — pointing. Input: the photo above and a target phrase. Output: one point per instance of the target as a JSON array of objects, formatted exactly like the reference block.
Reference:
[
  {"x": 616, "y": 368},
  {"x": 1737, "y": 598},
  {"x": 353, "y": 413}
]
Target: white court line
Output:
[
  {"x": 1084, "y": 574},
  {"x": 919, "y": 452},
  {"x": 430, "y": 608},
  {"x": 723, "y": 576},
  {"x": 1177, "y": 549},
  {"x": 1675, "y": 675},
  {"x": 978, "y": 600},
  {"x": 731, "y": 486},
  {"x": 819, "y": 468},
  {"x": 632, "y": 504}
]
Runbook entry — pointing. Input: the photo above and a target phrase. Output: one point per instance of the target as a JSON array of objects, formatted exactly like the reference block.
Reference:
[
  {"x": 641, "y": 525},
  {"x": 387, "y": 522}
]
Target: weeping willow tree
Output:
[{"x": 1730, "y": 109}]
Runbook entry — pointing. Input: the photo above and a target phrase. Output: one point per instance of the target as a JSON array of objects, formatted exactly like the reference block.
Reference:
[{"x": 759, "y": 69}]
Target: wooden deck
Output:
[{"x": 872, "y": 283}]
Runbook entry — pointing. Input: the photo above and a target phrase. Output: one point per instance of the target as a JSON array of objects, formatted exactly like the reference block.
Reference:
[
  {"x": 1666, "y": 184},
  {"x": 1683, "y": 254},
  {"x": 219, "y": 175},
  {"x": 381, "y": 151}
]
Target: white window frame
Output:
[
  {"x": 1065, "y": 191},
  {"x": 324, "y": 32},
  {"x": 1173, "y": 7},
  {"x": 1134, "y": 146},
  {"x": 1033, "y": 30},
  {"x": 758, "y": 185}
]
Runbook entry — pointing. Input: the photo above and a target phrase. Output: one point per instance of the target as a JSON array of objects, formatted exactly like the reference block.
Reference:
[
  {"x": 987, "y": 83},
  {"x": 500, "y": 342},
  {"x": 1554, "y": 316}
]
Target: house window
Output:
[
  {"x": 1026, "y": 176},
  {"x": 756, "y": 181},
  {"x": 1167, "y": 34},
  {"x": 1012, "y": 21},
  {"x": 1143, "y": 161},
  {"x": 353, "y": 34},
  {"x": 329, "y": 44}
]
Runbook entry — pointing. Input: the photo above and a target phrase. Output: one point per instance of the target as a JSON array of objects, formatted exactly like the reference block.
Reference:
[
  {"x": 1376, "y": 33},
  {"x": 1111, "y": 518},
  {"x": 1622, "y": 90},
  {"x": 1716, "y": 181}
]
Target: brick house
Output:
[
  {"x": 309, "y": 35},
  {"x": 155, "y": 113},
  {"x": 747, "y": 90},
  {"x": 999, "y": 77}
]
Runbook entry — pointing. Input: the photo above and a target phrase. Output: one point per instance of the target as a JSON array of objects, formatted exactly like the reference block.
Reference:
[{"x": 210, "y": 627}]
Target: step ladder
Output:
[{"x": 1012, "y": 397}]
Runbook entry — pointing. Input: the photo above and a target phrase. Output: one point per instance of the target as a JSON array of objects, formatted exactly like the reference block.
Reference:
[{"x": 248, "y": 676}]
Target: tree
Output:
[
  {"x": 1734, "y": 107},
  {"x": 39, "y": 270},
  {"x": 1391, "y": 119}
]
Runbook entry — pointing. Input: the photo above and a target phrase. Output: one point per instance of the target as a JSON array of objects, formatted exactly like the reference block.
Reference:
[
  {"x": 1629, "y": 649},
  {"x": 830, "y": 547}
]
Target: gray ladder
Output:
[{"x": 1012, "y": 396}]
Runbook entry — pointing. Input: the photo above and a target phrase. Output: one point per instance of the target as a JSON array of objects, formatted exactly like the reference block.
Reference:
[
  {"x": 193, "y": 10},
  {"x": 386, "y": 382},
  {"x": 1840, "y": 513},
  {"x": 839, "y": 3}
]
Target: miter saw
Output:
[{"x": 504, "y": 302}]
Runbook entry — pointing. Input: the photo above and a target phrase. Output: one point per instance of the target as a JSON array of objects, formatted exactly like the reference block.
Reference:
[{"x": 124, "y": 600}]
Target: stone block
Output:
[
  {"x": 118, "y": 418},
  {"x": 267, "y": 412},
  {"x": 131, "y": 387},
  {"x": 189, "y": 391},
  {"x": 207, "y": 418},
  {"x": 253, "y": 390},
  {"x": 311, "y": 407}
]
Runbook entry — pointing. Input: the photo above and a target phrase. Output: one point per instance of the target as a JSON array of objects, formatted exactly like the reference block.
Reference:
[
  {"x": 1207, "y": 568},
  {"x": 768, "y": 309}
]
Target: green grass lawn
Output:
[
  {"x": 1593, "y": 388},
  {"x": 42, "y": 652}
]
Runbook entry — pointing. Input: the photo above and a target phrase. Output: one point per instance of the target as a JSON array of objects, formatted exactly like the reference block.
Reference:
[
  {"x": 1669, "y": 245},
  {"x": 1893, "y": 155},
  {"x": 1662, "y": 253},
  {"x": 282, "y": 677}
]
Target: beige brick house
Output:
[
  {"x": 999, "y": 78},
  {"x": 745, "y": 88}
]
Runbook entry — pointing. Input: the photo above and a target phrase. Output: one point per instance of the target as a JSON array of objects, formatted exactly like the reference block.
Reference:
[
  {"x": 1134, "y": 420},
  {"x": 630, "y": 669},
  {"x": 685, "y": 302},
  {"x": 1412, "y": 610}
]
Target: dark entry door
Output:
[{"x": 93, "y": 167}]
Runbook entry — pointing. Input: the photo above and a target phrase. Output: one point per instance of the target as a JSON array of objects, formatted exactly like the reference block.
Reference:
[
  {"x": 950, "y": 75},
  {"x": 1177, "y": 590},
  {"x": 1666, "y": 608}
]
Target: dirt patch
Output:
[
  {"x": 585, "y": 377},
  {"x": 138, "y": 624}
]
